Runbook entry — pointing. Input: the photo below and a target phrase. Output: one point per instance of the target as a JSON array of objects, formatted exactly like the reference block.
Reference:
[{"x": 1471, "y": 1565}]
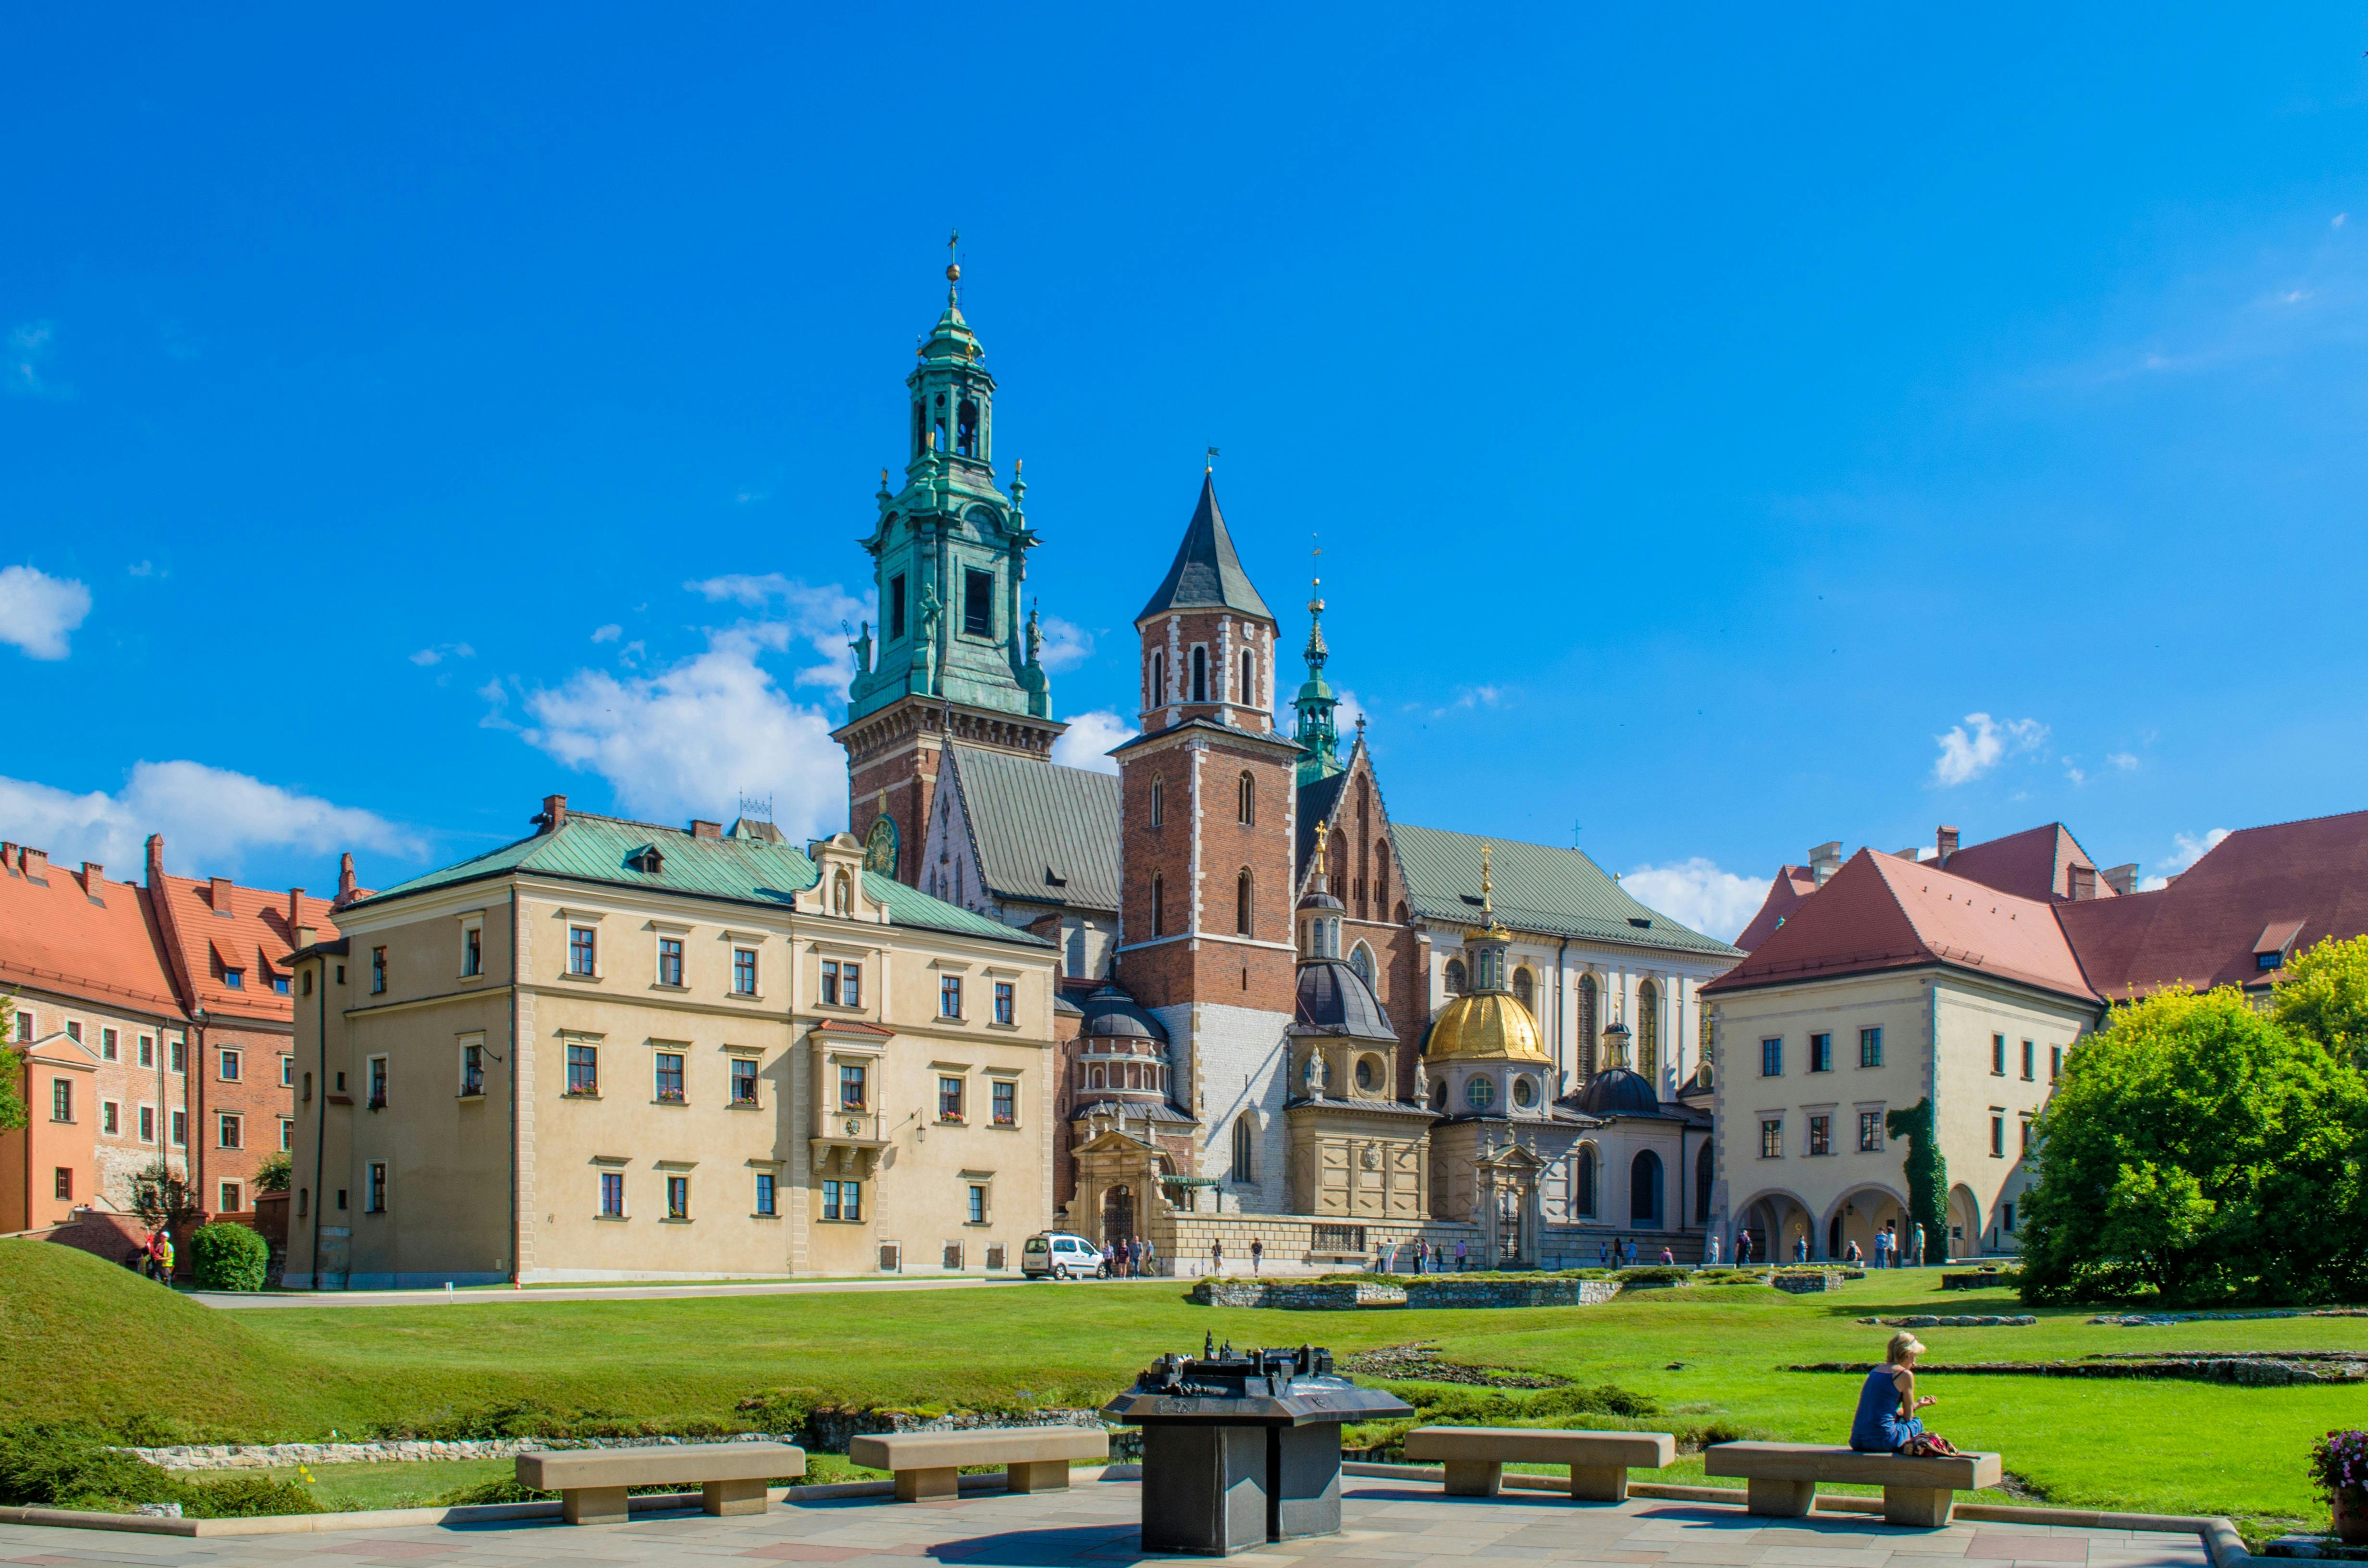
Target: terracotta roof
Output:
[
  {"x": 1881, "y": 912},
  {"x": 2035, "y": 863},
  {"x": 252, "y": 935},
  {"x": 2205, "y": 927},
  {"x": 1792, "y": 884},
  {"x": 54, "y": 937}
]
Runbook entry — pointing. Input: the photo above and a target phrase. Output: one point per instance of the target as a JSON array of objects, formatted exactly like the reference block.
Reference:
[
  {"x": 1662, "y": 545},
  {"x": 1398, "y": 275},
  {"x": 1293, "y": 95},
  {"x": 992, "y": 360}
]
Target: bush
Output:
[
  {"x": 229, "y": 1257},
  {"x": 244, "y": 1496},
  {"x": 69, "y": 1465}
]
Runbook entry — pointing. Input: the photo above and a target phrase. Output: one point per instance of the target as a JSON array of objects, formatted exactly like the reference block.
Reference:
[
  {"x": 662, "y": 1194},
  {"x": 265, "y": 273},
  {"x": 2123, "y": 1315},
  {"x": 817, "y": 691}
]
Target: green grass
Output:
[{"x": 686, "y": 1364}]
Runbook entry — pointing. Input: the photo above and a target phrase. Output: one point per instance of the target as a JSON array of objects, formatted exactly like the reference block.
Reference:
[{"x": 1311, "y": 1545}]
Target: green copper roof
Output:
[
  {"x": 1537, "y": 887},
  {"x": 739, "y": 870},
  {"x": 1043, "y": 832},
  {"x": 1206, "y": 573}
]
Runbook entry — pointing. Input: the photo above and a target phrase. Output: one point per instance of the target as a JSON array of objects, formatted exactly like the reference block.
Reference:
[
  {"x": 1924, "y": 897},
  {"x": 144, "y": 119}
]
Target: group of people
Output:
[
  {"x": 154, "y": 1258},
  {"x": 1133, "y": 1259},
  {"x": 1890, "y": 1252}
]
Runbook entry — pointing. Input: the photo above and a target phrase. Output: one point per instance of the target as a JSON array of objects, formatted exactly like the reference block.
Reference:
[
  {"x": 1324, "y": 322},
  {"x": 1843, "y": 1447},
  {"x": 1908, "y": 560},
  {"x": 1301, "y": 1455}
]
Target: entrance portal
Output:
[{"x": 1118, "y": 1217}]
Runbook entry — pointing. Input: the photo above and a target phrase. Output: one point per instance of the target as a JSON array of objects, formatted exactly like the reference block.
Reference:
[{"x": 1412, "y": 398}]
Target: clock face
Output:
[{"x": 880, "y": 848}]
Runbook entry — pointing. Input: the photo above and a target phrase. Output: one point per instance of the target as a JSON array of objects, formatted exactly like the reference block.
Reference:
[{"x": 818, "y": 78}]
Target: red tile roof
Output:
[
  {"x": 1792, "y": 884},
  {"x": 54, "y": 937},
  {"x": 254, "y": 935},
  {"x": 2035, "y": 863}
]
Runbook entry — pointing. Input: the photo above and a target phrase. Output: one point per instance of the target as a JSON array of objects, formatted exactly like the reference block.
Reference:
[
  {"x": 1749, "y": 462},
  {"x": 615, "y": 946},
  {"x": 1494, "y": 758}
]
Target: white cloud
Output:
[
  {"x": 2187, "y": 849},
  {"x": 2123, "y": 760},
  {"x": 1966, "y": 757},
  {"x": 1065, "y": 646},
  {"x": 211, "y": 819},
  {"x": 441, "y": 651},
  {"x": 38, "y": 611},
  {"x": 1716, "y": 902},
  {"x": 608, "y": 634},
  {"x": 27, "y": 370},
  {"x": 1089, "y": 737},
  {"x": 2077, "y": 776},
  {"x": 823, "y": 618},
  {"x": 143, "y": 569},
  {"x": 1350, "y": 709}
]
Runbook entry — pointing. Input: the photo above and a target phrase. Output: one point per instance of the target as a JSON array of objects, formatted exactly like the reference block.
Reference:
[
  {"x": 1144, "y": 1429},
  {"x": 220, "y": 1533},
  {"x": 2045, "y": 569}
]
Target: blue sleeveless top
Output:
[{"x": 1877, "y": 1429}]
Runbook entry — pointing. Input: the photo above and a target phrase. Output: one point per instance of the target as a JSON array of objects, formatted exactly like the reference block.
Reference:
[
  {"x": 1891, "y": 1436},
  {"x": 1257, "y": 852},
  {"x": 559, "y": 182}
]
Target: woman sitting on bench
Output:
[{"x": 1888, "y": 1404}]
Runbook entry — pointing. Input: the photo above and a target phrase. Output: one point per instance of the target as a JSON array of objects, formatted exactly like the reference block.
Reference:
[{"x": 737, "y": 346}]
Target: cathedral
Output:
[{"x": 1285, "y": 1017}]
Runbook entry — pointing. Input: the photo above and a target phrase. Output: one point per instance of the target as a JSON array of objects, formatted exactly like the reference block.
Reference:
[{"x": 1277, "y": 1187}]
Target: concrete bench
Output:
[
  {"x": 928, "y": 1464},
  {"x": 1475, "y": 1457},
  {"x": 1782, "y": 1478},
  {"x": 591, "y": 1481}
]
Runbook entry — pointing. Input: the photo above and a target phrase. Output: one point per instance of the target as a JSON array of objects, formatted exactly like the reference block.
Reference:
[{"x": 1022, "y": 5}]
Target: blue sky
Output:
[{"x": 1727, "y": 431}]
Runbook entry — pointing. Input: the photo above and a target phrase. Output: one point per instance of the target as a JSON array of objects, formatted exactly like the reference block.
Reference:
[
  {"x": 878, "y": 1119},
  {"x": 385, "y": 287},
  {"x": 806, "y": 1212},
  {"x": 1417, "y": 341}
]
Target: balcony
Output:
[{"x": 846, "y": 1141}]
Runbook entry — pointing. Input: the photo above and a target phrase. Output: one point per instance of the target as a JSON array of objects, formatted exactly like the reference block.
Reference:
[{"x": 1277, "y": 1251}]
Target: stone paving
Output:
[{"x": 1386, "y": 1524}]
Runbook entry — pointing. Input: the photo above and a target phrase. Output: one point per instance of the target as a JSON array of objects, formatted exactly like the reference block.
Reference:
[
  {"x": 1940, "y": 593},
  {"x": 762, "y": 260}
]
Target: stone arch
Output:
[
  {"x": 1586, "y": 1180},
  {"x": 1858, "y": 1213},
  {"x": 1771, "y": 1216},
  {"x": 1705, "y": 1173},
  {"x": 1648, "y": 1195},
  {"x": 1964, "y": 1223}
]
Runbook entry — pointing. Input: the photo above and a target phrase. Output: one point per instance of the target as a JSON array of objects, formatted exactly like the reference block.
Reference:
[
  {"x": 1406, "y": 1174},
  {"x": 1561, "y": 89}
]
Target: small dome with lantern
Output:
[{"x": 1488, "y": 1022}]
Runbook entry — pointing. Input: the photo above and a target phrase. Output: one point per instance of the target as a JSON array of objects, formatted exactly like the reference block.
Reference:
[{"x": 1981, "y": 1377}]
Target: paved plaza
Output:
[{"x": 1386, "y": 1524}]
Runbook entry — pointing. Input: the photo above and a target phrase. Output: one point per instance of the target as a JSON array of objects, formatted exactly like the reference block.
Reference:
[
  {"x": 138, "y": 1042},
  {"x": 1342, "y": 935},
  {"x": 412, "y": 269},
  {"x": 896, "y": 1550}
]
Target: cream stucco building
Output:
[{"x": 619, "y": 1051}]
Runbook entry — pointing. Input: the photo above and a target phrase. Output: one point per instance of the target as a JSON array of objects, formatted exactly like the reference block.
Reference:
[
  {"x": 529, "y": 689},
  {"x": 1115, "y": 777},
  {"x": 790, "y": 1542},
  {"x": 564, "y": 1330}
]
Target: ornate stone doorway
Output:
[{"x": 1118, "y": 1216}]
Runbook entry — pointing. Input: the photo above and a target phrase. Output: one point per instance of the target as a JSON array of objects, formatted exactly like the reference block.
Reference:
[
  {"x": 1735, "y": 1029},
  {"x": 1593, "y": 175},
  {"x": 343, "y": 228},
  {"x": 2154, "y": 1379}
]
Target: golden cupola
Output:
[{"x": 1487, "y": 1023}]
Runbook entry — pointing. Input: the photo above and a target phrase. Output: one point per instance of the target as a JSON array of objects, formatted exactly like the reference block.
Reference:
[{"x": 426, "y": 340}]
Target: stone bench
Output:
[
  {"x": 1782, "y": 1478},
  {"x": 928, "y": 1464},
  {"x": 591, "y": 1481},
  {"x": 1475, "y": 1457}
]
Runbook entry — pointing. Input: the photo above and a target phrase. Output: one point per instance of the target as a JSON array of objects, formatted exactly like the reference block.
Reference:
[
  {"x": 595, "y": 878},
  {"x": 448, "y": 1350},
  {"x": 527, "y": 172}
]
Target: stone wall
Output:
[
  {"x": 1446, "y": 1290},
  {"x": 1404, "y": 1290}
]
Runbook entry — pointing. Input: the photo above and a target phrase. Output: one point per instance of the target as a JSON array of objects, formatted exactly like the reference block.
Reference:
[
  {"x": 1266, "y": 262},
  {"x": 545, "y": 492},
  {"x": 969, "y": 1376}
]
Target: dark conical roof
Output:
[
  {"x": 1617, "y": 1091},
  {"x": 1111, "y": 1014},
  {"x": 1335, "y": 1000},
  {"x": 1207, "y": 574}
]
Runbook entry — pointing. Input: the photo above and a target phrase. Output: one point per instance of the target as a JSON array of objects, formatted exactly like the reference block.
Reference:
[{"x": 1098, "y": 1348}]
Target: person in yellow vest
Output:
[{"x": 165, "y": 1255}]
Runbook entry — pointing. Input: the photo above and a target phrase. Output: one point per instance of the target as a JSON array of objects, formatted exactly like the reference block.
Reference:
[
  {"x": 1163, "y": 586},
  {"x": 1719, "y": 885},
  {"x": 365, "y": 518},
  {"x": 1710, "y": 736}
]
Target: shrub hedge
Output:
[{"x": 229, "y": 1257}]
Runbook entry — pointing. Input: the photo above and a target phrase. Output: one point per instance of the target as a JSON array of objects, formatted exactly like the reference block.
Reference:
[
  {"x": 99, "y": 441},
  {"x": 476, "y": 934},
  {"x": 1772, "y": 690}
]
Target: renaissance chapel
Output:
[{"x": 1285, "y": 1017}]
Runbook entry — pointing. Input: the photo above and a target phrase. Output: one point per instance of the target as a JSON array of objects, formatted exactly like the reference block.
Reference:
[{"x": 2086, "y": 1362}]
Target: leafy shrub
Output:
[
  {"x": 244, "y": 1496},
  {"x": 69, "y": 1465},
  {"x": 229, "y": 1257},
  {"x": 504, "y": 1489},
  {"x": 276, "y": 1173}
]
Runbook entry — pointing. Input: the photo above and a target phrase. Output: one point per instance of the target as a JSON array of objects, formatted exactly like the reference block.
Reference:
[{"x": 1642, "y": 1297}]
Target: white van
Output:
[{"x": 1061, "y": 1255}]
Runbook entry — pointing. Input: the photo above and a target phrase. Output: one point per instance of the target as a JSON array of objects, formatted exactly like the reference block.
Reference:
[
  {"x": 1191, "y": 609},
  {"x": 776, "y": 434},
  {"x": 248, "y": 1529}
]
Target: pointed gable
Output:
[
  {"x": 2035, "y": 863},
  {"x": 1792, "y": 884},
  {"x": 1207, "y": 574}
]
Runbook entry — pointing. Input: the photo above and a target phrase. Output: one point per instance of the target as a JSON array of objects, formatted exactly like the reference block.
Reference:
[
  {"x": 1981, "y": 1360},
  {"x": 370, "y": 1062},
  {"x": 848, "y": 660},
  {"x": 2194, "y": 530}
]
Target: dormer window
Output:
[
  {"x": 646, "y": 859},
  {"x": 235, "y": 978},
  {"x": 2268, "y": 960}
]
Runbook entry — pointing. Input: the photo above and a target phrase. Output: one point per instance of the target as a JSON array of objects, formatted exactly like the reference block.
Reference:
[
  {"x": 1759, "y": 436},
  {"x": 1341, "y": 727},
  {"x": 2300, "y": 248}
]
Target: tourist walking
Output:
[
  {"x": 1631, "y": 1251},
  {"x": 1916, "y": 1252},
  {"x": 1605, "y": 1251},
  {"x": 1711, "y": 1261},
  {"x": 1459, "y": 1255},
  {"x": 1882, "y": 1247},
  {"x": 1217, "y": 1257},
  {"x": 1258, "y": 1253},
  {"x": 164, "y": 1257},
  {"x": 1150, "y": 1257},
  {"x": 1800, "y": 1246},
  {"x": 1743, "y": 1249}
]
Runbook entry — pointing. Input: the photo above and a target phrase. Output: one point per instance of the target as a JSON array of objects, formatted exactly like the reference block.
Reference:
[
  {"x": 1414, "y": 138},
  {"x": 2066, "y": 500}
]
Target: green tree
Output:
[
  {"x": 1927, "y": 1179},
  {"x": 161, "y": 1196},
  {"x": 14, "y": 1117},
  {"x": 275, "y": 1174},
  {"x": 2325, "y": 996},
  {"x": 2198, "y": 1149}
]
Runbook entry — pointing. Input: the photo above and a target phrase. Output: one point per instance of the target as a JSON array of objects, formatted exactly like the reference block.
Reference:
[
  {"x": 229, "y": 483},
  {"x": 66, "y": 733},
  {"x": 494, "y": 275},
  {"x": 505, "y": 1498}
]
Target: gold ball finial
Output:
[{"x": 954, "y": 273}]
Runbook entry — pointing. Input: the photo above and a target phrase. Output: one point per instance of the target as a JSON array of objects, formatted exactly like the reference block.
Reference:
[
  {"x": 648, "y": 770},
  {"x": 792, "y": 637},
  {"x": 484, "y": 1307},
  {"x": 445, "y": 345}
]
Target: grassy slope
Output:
[{"x": 295, "y": 1373}]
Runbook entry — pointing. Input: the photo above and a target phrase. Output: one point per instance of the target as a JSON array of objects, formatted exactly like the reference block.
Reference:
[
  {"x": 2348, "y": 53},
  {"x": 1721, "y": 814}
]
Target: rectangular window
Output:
[
  {"x": 580, "y": 950},
  {"x": 279, "y": 983},
  {"x": 851, "y": 989},
  {"x": 830, "y": 982},
  {"x": 230, "y": 1194},
  {"x": 850, "y": 1086},
  {"x": 147, "y": 1051},
  {"x": 612, "y": 1195},
  {"x": 2026, "y": 1132},
  {"x": 1772, "y": 1139},
  {"x": 2030, "y": 1061},
  {"x": 1771, "y": 1058},
  {"x": 678, "y": 1197},
  {"x": 378, "y": 1082},
  {"x": 287, "y": 1071},
  {"x": 765, "y": 1192},
  {"x": 743, "y": 972},
  {"x": 1002, "y": 1008},
  {"x": 1821, "y": 1053},
  {"x": 110, "y": 1049},
  {"x": 670, "y": 960},
  {"x": 74, "y": 1030},
  {"x": 110, "y": 1118},
  {"x": 895, "y": 607},
  {"x": 978, "y": 1204},
  {"x": 147, "y": 1124},
  {"x": 374, "y": 1195},
  {"x": 378, "y": 971},
  {"x": 287, "y": 1134},
  {"x": 1869, "y": 1047},
  {"x": 950, "y": 996},
  {"x": 1007, "y": 1103},
  {"x": 669, "y": 1071},
  {"x": 229, "y": 1132},
  {"x": 235, "y": 978},
  {"x": 181, "y": 1055},
  {"x": 2054, "y": 1063},
  {"x": 24, "y": 1027},
  {"x": 64, "y": 1180},
  {"x": 949, "y": 1099},
  {"x": 473, "y": 1068},
  {"x": 472, "y": 951},
  {"x": 230, "y": 1065},
  {"x": 1997, "y": 1137},
  {"x": 1998, "y": 1056},
  {"x": 180, "y": 1129},
  {"x": 1821, "y": 1140},
  {"x": 850, "y": 1198},
  {"x": 341, "y": 1199},
  {"x": 1870, "y": 1132},
  {"x": 2006, "y": 1218},
  {"x": 60, "y": 1099},
  {"x": 583, "y": 1069},
  {"x": 744, "y": 1080},
  {"x": 978, "y": 604},
  {"x": 830, "y": 1199}
]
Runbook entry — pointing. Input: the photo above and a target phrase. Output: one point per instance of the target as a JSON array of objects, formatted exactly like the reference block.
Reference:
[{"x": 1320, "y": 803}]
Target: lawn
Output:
[{"x": 1710, "y": 1356}]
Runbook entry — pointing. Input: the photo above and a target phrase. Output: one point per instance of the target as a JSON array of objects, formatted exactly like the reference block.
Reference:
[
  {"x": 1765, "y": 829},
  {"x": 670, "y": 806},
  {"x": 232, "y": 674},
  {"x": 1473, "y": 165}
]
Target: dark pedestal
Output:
[
  {"x": 1302, "y": 1481},
  {"x": 1205, "y": 1489}
]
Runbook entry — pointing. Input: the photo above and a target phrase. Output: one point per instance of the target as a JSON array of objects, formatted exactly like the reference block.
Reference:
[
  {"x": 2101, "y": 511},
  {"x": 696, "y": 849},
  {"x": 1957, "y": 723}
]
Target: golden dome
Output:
[{"x": 1484, "y": 1026}]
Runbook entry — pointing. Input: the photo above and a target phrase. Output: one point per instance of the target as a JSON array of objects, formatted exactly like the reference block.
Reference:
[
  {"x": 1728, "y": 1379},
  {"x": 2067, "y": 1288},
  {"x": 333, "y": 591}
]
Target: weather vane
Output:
[{"x": 1212, "y": 466}]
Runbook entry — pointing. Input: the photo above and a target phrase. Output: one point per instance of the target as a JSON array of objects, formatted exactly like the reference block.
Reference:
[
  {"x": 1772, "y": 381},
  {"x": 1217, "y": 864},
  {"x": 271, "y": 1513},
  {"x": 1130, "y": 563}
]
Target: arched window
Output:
[
  {"x": 1158, "y": 904},
  {"x": 1455, "y": 977},
  {"x": 966, "y": 429},
  {"x": 1706, "y": 1171},
  {"x": 1648, "y": 1031},
  {"x": 1402, "y": 912},
  {"x": 1245, "y": 1145},
  {"x": 1525, "y": 986},
  {"x": 1586, "y": 1006},
  {"x": 1246, "y": 807},
  {"x": 1094, "y": 1079},
  {"x": 1583, "y": 1182},
  {"x": 1249, "y": 678},
  {"x": 1159, "y": 680},
  {"x": 1199, "y": 674},
  {"x": 1644, "y": 1188},
  {"x": 1382, "y": 874},
  {"x": 1361, "y": 960},
  {"x": 1242, "y": 903},
  {"x": 1159, "y": 801}
]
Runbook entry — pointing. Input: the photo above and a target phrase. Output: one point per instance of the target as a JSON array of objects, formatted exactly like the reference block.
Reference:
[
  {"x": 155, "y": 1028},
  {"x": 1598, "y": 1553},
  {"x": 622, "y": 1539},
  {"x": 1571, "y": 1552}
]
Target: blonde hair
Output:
[{"x": 1903, "y": 1345}]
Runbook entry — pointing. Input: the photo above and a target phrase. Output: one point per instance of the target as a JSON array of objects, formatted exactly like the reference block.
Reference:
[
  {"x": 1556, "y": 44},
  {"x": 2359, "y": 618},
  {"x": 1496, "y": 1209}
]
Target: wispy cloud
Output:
[
  {"x": 1698, "y": 894},
  {"x": 2127, "y": 762},
  {"x": 1089, "y": 737},
  {"x": 1968, "y": 753},
  {"x": 39, "y": 613},
  {"x": 441, "y": 651},
  {"x": 30, "y": 347},
  {"x": 141, "y": 569},
  {"x": 608, "y": 634},
  {"x": 210, "y": 817},
  {"x": 823, "y": 618},
  {"x": 1065, "y": 646},
  {"x": 2186, "y": 849}
]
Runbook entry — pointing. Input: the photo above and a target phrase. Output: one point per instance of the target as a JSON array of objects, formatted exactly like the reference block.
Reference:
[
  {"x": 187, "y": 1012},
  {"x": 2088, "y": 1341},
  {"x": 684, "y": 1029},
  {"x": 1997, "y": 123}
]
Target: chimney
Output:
[
  {"x": 1946, "y": 841},
  {"x": 2123, "y": 880},
  {"x": 1824, "y": 860},
  {"x": 345, "y": 888},
  {"x": 93, "y": 873},
  {"x": 554, "y": 814},
  {"x": 36, "y": 866},
  {"x": 218, "y": 894},
  {"x": 306, "y": 935},
  {"x": 156, "y": 861},
  {"x": 706, "y": 829},
  {"x": 2084, "y": 882},
  {"x": 295, "y": 907}
]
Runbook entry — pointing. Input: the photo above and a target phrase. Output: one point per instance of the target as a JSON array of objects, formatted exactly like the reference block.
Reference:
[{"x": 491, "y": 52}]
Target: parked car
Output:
[{"x": 1061, "y": 1255}]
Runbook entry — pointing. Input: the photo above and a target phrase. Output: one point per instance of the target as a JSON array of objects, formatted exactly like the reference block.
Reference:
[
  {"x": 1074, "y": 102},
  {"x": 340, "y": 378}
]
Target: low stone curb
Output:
[{"x": 1978, "y": 1320}]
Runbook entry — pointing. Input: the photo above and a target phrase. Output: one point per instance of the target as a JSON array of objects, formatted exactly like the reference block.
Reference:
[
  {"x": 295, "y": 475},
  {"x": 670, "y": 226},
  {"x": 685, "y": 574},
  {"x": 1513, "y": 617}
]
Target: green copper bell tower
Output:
[
  {"x": 1318, "y": 727},
  {"x": 954, "y": 657}
]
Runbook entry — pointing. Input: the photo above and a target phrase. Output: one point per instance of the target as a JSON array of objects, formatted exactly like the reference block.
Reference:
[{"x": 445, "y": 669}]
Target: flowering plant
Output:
[{"x": 2338, "y": 1462}]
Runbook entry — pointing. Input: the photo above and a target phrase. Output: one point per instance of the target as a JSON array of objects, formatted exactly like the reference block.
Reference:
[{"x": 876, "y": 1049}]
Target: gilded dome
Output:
[{"x": 1484, "y": 1025}]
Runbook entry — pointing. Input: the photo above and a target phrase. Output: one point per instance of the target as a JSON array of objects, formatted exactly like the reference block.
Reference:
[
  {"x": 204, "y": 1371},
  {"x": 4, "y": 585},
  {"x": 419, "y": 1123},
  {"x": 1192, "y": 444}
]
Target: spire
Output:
[
  {"x": 1207, "y": 574},
  {"x": 1318, "y": 728}
]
